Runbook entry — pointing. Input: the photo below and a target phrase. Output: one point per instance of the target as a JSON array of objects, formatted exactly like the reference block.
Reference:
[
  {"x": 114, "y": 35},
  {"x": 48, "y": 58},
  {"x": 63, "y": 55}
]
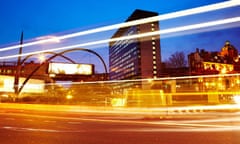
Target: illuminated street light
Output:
[
  {"x": 69, "y": 97},
  {"x": 150, "y": 80},
  {"x": 16, "y": 87},
  {"x": 61, "y": 54},
  {"x": 41, "y": 58}
]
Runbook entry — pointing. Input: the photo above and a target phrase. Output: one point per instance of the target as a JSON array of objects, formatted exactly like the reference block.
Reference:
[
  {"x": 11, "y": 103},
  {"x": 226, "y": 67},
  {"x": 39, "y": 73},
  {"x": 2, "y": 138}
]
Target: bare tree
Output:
[{"x": 176, "y": 60}]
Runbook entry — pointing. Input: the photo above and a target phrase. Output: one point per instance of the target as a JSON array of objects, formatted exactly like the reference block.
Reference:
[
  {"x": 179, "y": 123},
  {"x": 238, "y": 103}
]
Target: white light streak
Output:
[
  {"x": 192, "y": 11},
  {"x": 210, "y": 123},
  {"x": 160, "y": 32},
  {"x": 141, "y": 80}
]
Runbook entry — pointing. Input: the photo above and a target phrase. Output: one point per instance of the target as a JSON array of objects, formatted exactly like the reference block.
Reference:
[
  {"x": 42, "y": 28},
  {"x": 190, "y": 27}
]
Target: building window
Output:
[
  {"x": 9, "y": 71},
  {"x": 153, "y": 42},
  {"x": 154, "y": 57},
  {"x": 153, "y": 47},
  {"x": 154, "y": 52}
]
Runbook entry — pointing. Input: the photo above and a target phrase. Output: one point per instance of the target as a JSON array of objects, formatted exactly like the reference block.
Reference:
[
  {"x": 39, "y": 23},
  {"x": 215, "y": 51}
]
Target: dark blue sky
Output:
[
  {"x": 48, "y": 17},
  {"x": 44, "y": 17}
]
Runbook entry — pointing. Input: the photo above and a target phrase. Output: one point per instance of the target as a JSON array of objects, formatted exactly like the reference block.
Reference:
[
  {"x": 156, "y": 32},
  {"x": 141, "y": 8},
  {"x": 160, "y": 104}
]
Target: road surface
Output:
[{"x": 25, "y": 126}]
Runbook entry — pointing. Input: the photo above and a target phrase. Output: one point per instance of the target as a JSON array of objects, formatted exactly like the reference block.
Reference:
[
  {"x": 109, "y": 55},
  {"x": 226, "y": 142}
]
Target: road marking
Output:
[
  {"x": 191, "y": 124},
  {"x": 74, "y": 122},
  {"x": 30, "y": 120},
  {"x": 49, "y": 121},
  {"x": 182, "y": 129},
  {"x": 12, "y": 119},
  {"x": 184, "y": 125},
  {"x": 28, "y": 129},
  {"x": 24, "y": 129},
  {"x": 120, "y": 117}
]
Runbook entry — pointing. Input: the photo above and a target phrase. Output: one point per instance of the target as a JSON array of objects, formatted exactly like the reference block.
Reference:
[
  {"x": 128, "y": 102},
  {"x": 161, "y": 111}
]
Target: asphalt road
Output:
[{"x": 24, "y": 126}]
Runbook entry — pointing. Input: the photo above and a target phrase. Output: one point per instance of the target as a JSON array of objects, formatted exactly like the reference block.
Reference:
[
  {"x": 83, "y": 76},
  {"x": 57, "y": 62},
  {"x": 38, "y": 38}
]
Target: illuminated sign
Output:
[
  {"x": 223, "y": 68},
  {"x": 32, "y": 86},
  {"x": 70, "y": 69}
]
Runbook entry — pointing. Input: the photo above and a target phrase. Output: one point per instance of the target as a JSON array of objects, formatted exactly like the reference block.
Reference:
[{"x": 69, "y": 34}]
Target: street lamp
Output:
[
  {"x": 61, "y": 54},
  {"x": 16, "y": 87},
  {"x": 41, "y": 58}
]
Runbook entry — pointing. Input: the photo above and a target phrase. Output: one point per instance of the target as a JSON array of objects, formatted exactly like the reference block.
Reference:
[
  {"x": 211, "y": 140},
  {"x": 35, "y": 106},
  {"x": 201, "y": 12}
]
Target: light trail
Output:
[
  {"x": 215, "y": 120},
  {"x": 160, "y": 32},
  {"x": 24, "y": 129},
  {"x": 192, "y": 11},
  {"x": 133, "y": 111},
  {"x": 181, "y": 127},
  {"x": 209, "y": 123},
  {"x": 148, "y": 80},
  {"x": 203, "y": 93},
  {"x": 204, "y": 108},
  {"x": 187, "y": 128}
]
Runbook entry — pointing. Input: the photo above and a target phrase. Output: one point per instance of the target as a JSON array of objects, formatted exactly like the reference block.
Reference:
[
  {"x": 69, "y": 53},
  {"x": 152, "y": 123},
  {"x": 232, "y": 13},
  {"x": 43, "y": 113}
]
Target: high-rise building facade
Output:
[{"x": 138, "y": 58}]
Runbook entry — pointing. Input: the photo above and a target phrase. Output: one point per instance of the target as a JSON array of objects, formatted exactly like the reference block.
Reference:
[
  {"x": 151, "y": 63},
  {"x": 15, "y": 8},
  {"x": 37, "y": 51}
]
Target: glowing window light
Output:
[
  {"x": 236, "y": 99},
  {"x": 69, "y": 96},
  {"x": 223, "y": 70},
  {"x": 118, "y": 102},
  {"x": 8, "y": 84},
  {"x": 150, "y": 80},
  {"x": 238, "y": 81}
]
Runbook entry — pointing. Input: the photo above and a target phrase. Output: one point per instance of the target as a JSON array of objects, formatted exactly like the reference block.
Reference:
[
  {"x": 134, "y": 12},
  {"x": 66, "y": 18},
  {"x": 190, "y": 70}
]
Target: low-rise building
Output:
[{"x": 203, "y": 62}]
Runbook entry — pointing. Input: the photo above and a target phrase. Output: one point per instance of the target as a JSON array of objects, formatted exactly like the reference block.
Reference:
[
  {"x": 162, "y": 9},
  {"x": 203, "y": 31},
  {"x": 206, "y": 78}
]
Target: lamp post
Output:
[{"x": 18, "y": 68}]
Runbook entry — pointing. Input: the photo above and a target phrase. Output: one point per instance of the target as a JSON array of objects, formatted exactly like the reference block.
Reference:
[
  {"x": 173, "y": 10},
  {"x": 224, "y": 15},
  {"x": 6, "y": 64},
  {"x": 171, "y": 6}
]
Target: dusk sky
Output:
[{"x": 38, "y": 18}]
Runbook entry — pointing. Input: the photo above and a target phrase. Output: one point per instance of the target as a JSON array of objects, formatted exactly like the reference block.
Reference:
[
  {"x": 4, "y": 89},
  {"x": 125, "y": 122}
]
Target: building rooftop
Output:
[{"x": 137, "y": 14}]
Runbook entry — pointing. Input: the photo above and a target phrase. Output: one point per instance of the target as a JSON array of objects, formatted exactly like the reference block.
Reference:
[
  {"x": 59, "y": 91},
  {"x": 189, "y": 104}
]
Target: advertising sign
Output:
[
  {"x": 70, "y": 69},
  {"x": 32, "y": 86}
]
